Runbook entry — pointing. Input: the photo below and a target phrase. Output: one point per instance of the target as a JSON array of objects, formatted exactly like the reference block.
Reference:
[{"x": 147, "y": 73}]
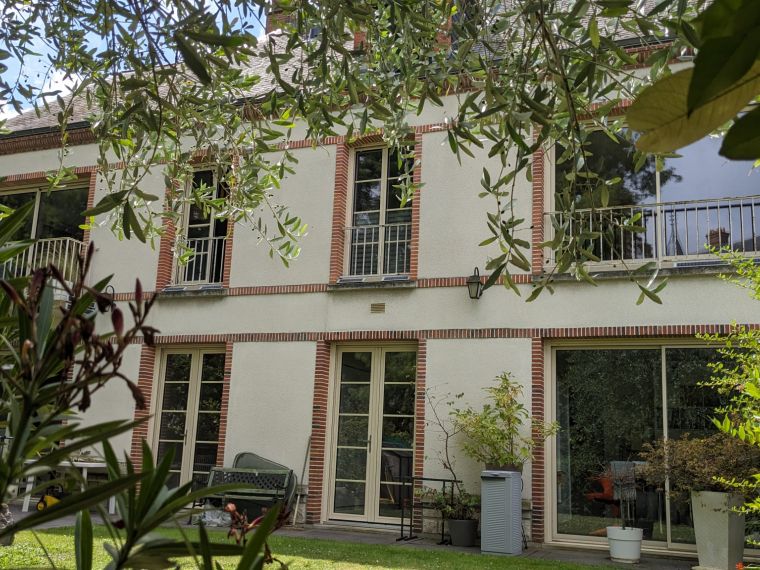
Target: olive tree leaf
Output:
[
  {"x": 742, "y": 141},
  {"x": 192, "y": 59},
  {"x": 661, "y": 110},
  {"x": 721, "y": 63}
]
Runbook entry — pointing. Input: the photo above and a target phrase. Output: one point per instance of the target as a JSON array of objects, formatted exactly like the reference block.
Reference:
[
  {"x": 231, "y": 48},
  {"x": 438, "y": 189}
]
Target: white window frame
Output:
[
  {"x": 382, "y": 213},
  {"x": 332, "y": 426},
  {"x": 38, "y": 191},
  {"x": 552, "y": 536}
]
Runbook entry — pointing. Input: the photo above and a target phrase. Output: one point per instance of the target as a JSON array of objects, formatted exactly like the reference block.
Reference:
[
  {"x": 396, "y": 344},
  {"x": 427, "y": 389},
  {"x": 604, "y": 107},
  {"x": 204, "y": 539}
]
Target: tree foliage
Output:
[
  {"x": 53, "y": 361},
  {"x": 165, "y": 81}
]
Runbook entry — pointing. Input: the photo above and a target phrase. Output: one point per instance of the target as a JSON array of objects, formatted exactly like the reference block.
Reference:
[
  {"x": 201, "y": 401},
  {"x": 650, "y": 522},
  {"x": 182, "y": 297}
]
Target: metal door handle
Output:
[{"x": 369, "y": 444}]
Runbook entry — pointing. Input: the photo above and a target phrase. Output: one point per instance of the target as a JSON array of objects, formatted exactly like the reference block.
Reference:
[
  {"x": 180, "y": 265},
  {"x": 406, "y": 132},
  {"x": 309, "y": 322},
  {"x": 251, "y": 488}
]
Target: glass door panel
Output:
[
  {"x": 190, "y": 413},
  {"x": 353, "y": 438},
  {"x": 374, "y": 435},
  {"x": 209, "y": 416},
  {"x": 398, "y": 393},
  {"x": 609, "y": 403},
  {"x": 691, "y": 408},
  {"x": 173, "y": 416}
]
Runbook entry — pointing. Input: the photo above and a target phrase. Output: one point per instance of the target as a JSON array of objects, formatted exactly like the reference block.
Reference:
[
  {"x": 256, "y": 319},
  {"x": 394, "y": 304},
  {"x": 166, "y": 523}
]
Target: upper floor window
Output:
[
  {"x": 379, "y": 238},
  {"x": 57, "y": 213},
  {"x": 695, "y": 198},
  {"x": 202, "y": 240},
  {"x": 57, "y": 225}
]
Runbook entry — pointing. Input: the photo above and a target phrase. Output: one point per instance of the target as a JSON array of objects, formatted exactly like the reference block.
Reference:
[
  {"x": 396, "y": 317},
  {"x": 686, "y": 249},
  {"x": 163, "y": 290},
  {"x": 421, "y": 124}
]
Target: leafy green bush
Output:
[{"x": 495, "y": 433}]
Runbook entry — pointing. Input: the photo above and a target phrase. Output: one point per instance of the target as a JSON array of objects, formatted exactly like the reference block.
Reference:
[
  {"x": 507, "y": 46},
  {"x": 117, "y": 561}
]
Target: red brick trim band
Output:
[
  {"x": 145, "y": 384},
  {"x": 225, "y": 403},
  {"x": 40, "y": 177},
  {"x": 538, "y": 465},
  {"x": 424, "y": 283},
  {"x": 414, "y": 246},
  {"x": 537, "y": 212},
  {"x": 419, "y": 429},
  {"x": 45, "y": 141},
  {"x": 340, "y": 212},
  {"x": 318, "y": 433},
  {"x": 643, "y": 331},
  {"x": 92, "y": 187}
]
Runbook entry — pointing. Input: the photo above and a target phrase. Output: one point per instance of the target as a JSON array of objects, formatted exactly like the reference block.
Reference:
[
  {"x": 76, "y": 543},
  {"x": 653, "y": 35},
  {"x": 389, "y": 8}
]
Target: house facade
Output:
[{"x": 324, "y": 366}]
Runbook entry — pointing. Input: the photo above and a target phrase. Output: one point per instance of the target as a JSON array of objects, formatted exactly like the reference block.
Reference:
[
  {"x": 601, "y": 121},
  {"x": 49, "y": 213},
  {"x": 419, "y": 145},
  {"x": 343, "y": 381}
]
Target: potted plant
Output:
[
  {"x": 706, "y": 469},
  {"x": 624, "y": 540},
  {"x": 458, "y": 509},
  {"x": 494, "y": 434}
]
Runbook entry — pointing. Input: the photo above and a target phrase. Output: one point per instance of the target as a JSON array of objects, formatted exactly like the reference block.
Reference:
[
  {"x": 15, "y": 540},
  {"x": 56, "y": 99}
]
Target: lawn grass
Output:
[{"x": 297, "y": 553}]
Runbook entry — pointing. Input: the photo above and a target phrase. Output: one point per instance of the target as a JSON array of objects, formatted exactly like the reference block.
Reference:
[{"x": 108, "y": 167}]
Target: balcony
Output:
[
  {"x": 199, "y": 261},
  {"x": 63, "y": 252},
  {"x": 379, "y": 250},
  {"x": 675, "y": 232}
]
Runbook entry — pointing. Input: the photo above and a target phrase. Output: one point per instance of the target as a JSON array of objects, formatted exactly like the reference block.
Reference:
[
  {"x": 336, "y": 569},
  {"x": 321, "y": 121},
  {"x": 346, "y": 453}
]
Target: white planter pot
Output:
[
  {"x": 625, "y": 544},
  {"x": 718, "y": 529}
]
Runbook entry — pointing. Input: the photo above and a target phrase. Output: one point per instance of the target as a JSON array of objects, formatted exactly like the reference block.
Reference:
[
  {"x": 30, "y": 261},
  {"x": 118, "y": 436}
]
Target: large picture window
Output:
[
  {"x": 609, "y": 403},
  {"x": 56, "y": 223},
  {"x": 379, "y": 237},
  {"x": 694, "y": 199}
]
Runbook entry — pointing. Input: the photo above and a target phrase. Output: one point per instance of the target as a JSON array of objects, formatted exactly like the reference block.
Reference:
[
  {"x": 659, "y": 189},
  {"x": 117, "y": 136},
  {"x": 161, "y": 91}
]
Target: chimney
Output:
[
  {"x": 717, "y": 238},
  {"x": 276, "y": 18}
]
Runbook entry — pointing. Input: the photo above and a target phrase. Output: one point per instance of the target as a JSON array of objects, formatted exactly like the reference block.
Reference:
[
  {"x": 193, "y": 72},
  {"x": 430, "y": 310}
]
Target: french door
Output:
[
  {"x": 189, "y": 412},
  {"x": 373, "y": 432}
]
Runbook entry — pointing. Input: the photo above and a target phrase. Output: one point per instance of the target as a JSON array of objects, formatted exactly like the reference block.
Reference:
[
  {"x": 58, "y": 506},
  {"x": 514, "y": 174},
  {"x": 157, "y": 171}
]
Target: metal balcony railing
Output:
[
  {"x": 199, "y": 261},
  {"x": 379, "y": 250},
  {"x": 62, "y": 252},
  {"x": 666, "y": 231}
]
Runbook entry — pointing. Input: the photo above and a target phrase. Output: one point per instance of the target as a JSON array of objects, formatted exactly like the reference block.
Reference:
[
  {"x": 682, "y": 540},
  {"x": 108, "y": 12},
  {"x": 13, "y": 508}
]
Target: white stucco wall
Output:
[
  {"x": 270, "y": 402},
  {"x": 308, "y": 194},
  {"x": 467, "y": 367},
  {"x": 115, "y": 402}
]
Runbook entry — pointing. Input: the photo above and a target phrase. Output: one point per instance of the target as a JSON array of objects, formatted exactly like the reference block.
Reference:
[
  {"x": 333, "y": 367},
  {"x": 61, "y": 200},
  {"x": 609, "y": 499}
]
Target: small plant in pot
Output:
[
  {"x": 459, "y": 511},
  {"x": 494, "y": 434},
  {"x": 706, "y": 469},
  {"x": 624, "y": 540}
]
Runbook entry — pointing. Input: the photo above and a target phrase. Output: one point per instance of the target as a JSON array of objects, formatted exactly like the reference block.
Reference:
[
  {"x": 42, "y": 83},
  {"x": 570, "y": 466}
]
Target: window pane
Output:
[
  {"x": 208, "y": 427},
  {"x": 608, "y": 406},
  {"x": 400, "y": 366},
  {"x": 609, "y": 159},
  {"x": 395, "y": 191},
  {"x": 210, "y": 397},
  {"x": 367, "y": 196},
  {"x": 700, "y": 173},
  {"x": 61, "y": 214},
  {"x": 213, "y": 367},
  {"x": 175, "y": 396},
  {"x": 402, "y": 167},
  {"x": 15, "y": 201},
  {"x": 398, "y": 432},
  {"x": 349, "y": 498},
  {"x": 355, "y": 366},
  {"x": 369, "y": 164},
  {"x": 177, "y": 368},
  {"x": 690, "y": 409}
]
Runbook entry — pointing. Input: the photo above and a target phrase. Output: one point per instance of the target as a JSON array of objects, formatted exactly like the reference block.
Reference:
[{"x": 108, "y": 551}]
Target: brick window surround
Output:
[
  {"x": 167, "y": 243},
  {"x": 319, "y": 453},
  {"x": 342, "y": 205}
]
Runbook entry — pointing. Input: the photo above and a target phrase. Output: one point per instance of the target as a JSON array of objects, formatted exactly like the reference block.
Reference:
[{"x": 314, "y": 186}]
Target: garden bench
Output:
[{"x": 263, "y": 483}]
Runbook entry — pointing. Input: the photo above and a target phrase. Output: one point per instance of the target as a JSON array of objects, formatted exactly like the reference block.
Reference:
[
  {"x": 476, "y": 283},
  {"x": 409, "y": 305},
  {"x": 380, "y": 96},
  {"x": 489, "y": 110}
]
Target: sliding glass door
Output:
[{"x": 609, "y": 403}]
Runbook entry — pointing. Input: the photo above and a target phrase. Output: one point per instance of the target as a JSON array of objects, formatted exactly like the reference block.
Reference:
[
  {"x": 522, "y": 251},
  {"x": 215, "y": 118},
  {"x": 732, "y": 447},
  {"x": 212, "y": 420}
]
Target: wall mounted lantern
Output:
[{"x": 474, "y": 286}]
